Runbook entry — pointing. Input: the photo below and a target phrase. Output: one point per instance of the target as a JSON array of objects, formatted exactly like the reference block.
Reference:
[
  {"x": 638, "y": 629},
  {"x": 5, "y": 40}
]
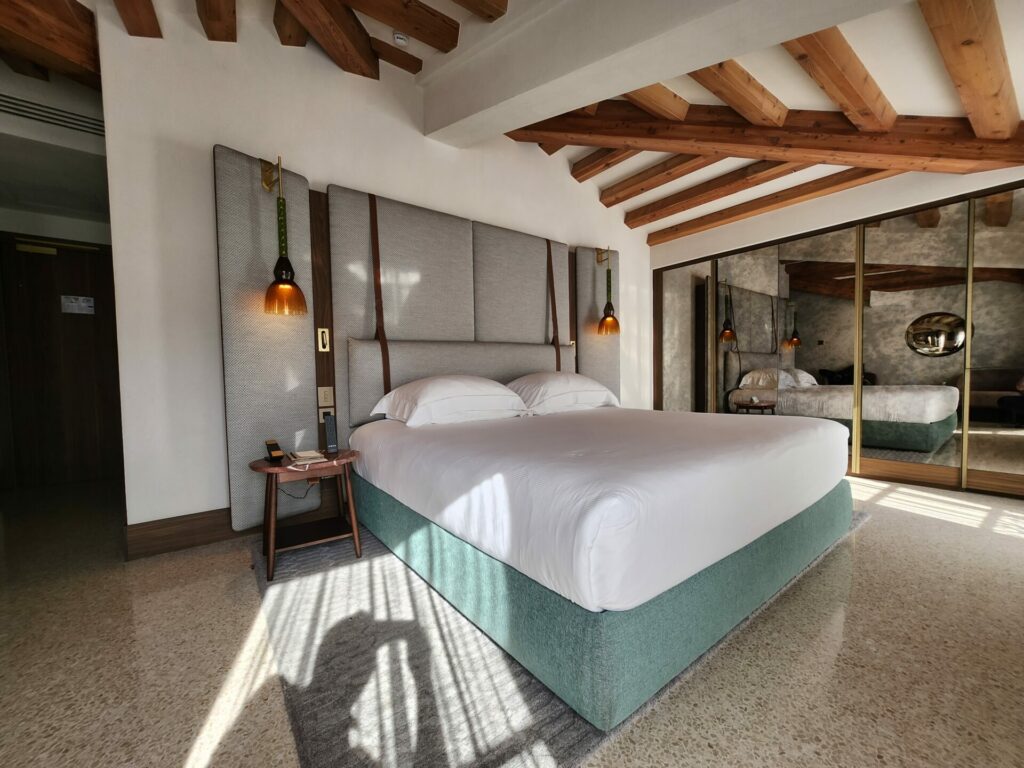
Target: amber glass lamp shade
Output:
[
  {"x": 728, "y": 335},
  {"x": 284, "y": 297},
  {"x": 794, "y": 339},
  {"x": 609, "y": 324}
]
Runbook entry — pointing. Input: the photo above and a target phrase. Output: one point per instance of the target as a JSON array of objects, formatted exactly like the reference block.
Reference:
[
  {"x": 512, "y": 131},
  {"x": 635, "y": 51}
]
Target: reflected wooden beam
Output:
[
  {"x": 998, "y": 209},
  {"x": 713, "y": 189},
  {"x": 828, "y": 58},
  {"x": 659, "y": 101},
  {"x": 837, "y": 182},
  {"x": 654, "y": 176},
  {"x": 928, "y": 218},
  {"x": 730, "y": 82},
  {"x": 970, "y": 41},
  {"x": 599, "y": 162}
]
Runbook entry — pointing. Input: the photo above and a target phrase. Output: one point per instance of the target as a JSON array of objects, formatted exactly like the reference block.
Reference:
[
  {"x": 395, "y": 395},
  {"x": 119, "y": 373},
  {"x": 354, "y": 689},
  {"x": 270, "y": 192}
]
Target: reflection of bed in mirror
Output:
[{"x": 911, "y": 417}]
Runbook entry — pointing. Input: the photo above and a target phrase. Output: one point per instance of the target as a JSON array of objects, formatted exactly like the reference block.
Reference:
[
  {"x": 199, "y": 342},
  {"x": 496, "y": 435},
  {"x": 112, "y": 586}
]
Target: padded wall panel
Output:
[
  {"x": 596, "y": 356},
  {"x": 511, "y": 286},
  {"x": 411, "y": 360},
  {"x": 269, "y": 373}
]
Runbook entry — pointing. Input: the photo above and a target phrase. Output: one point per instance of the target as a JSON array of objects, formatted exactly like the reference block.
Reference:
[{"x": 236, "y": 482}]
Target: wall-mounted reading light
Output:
[
  {"x": 728, "y": 335},
  {"x": 284, "y": 297},
  {"x": 609, "y": 324},
  {"x": 794, "y": 338}
]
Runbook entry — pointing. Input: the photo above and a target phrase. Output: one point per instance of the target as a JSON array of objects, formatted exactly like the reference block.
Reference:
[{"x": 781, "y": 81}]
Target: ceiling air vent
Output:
[{"x": 42, "y": 113}]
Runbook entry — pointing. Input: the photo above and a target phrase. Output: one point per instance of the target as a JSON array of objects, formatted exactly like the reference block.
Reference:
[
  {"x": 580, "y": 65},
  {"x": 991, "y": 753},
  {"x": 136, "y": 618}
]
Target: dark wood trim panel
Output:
[
  {"x": 174, "y": 533},
  {"x": 658, "y": 300},
  {"x": 1004, "y": 483},
  {"x": 909, "y": 472}
]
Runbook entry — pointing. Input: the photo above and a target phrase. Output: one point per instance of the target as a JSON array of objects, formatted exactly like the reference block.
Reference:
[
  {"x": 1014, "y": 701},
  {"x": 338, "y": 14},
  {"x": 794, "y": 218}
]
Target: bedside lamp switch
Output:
[{"x": 324, "y": 397}]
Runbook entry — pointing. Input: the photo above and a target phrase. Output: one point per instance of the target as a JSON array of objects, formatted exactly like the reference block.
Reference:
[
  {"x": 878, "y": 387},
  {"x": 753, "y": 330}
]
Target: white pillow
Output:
[
  {"x": 450, "y": 400},
  {"x": 767, "y": 378},
  {"x": 551, "y": 392},
  {"x": 802, "y": 378}
]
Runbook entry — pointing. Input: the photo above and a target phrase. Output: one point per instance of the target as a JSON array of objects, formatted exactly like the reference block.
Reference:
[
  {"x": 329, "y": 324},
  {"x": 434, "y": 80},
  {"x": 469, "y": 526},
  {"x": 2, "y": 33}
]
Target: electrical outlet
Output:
[
  {"x": 324, "y": 397},
  {"x": 324, "y": 411}
]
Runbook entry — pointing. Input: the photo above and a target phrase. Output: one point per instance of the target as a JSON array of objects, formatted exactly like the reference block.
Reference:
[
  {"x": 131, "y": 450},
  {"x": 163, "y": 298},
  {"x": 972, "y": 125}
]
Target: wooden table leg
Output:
[
  {"x": 272, "y": 536},
  {"x": 266, "y": 514},
  {"x": 352, "y": 512}
]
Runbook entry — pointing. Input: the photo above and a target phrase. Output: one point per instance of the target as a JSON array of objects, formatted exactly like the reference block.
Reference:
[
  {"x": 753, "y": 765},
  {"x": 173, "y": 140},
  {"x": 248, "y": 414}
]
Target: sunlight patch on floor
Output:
[{"x": 252, "y": 667}]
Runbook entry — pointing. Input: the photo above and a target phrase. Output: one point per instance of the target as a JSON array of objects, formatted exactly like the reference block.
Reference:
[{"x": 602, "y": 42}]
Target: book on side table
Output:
[{"x": 306, "y": 457}]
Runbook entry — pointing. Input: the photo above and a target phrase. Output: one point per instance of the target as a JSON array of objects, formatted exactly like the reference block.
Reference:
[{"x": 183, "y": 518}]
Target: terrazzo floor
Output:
[{"x": 902, "y": 647}]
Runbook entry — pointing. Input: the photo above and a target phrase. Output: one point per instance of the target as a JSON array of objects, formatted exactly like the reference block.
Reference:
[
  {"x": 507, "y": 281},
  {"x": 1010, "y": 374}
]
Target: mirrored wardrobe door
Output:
[
  {"x": 818, "y": 313},
  {"x": 748, "y": 332},
  {"x": 683, "y": 293},
  {"x": 914, "y": 308},
  {"x": 995, "y": 439}
]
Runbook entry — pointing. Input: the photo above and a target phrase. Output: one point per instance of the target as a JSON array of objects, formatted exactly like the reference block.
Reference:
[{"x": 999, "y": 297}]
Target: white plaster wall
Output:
[{"x": 167, "y": 102}]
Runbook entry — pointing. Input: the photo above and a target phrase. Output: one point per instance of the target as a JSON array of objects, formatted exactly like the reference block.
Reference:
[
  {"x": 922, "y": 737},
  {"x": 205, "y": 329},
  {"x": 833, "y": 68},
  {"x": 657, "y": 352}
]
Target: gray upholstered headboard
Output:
[
  {"x": 459, "y": 297},
  {"x": 739, "y": 363}
]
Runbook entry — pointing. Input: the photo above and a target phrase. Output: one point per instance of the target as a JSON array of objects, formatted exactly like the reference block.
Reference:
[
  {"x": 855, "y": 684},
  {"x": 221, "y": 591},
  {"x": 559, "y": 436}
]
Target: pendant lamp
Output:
[
  {"x": 284, "y": 297},
  {"x": 609, "y": 324}
]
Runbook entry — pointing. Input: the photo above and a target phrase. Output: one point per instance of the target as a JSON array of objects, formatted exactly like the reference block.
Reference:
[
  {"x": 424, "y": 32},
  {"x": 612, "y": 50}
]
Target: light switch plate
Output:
[
  {"x": 324, "y": 397},
  {"x": 325, "y": 411},
  {"x": 323, "y": 340}
]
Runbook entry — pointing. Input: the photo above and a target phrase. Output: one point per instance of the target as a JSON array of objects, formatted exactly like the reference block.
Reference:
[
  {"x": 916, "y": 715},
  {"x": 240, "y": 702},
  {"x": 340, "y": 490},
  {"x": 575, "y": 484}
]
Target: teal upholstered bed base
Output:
[
  {"x": 906, "y": 436},
  {"x": 604, "y": 665}
]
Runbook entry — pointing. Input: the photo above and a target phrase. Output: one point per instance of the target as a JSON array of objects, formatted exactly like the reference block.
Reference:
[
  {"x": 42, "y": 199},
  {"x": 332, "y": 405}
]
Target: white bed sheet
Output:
[
  {"x": 608, "y": 507},
  {"x": 904, "y": 403}
]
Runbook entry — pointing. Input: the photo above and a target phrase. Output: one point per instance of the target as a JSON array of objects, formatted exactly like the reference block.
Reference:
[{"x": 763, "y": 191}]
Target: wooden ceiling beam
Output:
[
  {"x": 289, "y": 29},
  {"x": 730, "y": 82},
  {"x": 218, "y": 20},
  {"x": 659, "y": 101},
  {"x": 488, "y": 10},
  {"x": 894, "y": 150},
  {"x": 998, "y": 209},
  {"x": 713, "y": 189},
  {"x": 654, "y": 176},
  {"x": 414, "y": 19},
  {"x": 929, "y": 218},
  {"x": 550, "y": 148},
  {"x": 396, "y": 57},
  {"x": 837, "y": 182},
  {"x": 598, "y": 162},
  {"x": 139, "y": 17},
  {"x": 337, "y": 30},
  {"x": 53, "y": 35},
  {"x": 970, "y": 41},
  {"x": 830, "y": 61},
  {"x": 22, "y": 66}
]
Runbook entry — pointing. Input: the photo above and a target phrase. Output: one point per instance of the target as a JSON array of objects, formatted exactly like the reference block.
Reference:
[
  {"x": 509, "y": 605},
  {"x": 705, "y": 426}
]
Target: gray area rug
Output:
[{"x": 378, "y": 670}]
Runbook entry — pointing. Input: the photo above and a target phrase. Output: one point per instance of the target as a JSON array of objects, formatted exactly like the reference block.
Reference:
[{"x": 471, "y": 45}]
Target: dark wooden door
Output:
[{"x": 62, "y": 396}]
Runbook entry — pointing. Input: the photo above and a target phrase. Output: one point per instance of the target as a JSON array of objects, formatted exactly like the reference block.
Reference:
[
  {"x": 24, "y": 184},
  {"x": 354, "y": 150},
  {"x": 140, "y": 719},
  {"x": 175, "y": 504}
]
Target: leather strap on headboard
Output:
[
  {"x": 554, "y": 311},
  {"x": 378, "y": 294}
]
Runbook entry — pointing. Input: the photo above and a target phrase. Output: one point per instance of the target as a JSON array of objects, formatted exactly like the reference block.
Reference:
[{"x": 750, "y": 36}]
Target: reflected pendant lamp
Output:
[
  {"x": 728, "y": 335},
  {"x": 284, "y": 297},
  {"x": 794, "y": 338},
  {"x": 609, "y": 324}
]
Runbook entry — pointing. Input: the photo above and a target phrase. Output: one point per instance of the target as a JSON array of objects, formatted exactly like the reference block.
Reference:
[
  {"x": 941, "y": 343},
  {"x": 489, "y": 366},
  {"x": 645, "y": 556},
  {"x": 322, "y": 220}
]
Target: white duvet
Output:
[
  {"x": 607, "y": 507},
  {"x": 909, "y": 403}
]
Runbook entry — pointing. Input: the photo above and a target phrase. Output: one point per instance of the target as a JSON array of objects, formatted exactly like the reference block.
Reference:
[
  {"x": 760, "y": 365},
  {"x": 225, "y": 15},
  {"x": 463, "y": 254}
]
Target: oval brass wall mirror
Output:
[{"x": 937, "y": 334}]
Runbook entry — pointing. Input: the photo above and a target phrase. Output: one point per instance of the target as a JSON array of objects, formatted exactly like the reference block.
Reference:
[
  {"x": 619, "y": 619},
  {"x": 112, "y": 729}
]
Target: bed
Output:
[
  {"x": 606, "y": 549},
  {"x": 916, "y": 417}
]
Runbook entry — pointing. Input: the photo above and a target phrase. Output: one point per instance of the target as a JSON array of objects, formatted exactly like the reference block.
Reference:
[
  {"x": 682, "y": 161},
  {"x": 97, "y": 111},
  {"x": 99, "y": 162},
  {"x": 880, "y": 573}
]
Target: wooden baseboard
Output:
[
  {"x": 173, "y": 533},
  {"x": 184, "y": 531},
  {"x": 909, "y": 472},
  {"x": 995, "y": 482}
]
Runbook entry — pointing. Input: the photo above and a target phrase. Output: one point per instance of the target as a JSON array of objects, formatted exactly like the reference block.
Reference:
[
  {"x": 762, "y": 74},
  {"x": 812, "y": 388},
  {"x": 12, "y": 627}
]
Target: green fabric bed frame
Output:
[
  {"x": 905, "y": 436},
  {"x": 604, "y": 665}
]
